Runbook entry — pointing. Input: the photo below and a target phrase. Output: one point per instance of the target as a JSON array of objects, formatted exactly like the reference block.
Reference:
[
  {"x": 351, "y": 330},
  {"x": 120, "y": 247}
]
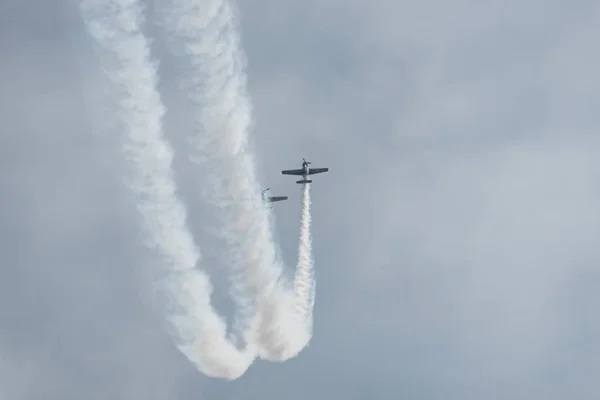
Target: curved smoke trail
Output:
[
  {"x": 116, "y": 27},
  {"x": 275, "y": 318},
  {"x": 218, "y": 87}
]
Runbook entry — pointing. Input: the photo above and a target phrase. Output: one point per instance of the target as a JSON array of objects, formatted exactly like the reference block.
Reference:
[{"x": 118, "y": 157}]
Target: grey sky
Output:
[{"x": 455, "y": 235}]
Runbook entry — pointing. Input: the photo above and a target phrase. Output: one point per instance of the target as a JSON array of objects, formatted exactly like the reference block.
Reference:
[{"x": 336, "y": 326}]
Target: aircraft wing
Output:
[
  {"x": 313, "y": 171},
  {"x": 277, "y": 198},
  {"x": 293, "y": 172}
]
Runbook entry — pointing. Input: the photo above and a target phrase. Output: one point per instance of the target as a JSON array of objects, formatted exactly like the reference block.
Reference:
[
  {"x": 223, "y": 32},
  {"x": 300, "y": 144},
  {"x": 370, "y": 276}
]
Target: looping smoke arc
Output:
[{"x": 274, "y": 317}]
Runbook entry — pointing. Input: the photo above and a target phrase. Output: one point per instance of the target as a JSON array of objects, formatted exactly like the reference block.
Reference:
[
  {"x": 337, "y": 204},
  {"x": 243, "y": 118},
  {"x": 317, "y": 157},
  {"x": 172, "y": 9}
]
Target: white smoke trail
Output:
[
  {"x": 304, "y": 282},
  {"x": 116, "y": 26},
  {"x": 211, "y": 44}
]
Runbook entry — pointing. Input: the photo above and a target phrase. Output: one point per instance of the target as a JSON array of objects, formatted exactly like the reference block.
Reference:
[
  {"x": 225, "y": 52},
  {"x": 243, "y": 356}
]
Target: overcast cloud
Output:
[{"x": 455, "y": 234}]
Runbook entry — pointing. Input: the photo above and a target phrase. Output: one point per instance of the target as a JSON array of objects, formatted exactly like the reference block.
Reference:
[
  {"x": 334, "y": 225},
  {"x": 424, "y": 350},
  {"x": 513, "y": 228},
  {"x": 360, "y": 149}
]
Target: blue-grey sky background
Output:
[{"x": 455, "y": 234}]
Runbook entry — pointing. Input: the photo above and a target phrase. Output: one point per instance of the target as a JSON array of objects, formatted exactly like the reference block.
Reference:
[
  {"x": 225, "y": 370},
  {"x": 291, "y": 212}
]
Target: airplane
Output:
[
  {"x": 271, "y": 199},
  {"x": 304, "y": 172}
]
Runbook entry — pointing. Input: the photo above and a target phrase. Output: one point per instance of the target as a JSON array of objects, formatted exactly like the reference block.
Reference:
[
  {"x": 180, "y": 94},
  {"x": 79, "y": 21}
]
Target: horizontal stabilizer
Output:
[{"x": 304, "y": 181}]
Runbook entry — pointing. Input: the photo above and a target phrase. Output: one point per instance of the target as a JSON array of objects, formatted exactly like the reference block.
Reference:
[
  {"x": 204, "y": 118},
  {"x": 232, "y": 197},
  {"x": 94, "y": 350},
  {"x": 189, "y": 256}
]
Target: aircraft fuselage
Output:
[{"x": 304, "y": 172}]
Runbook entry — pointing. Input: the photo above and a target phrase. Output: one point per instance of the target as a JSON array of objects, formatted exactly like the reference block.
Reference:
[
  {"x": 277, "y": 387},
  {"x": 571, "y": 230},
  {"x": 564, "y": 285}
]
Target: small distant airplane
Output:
[
  {"x": 304, "y": 172},
  {"x": 271, "y": 199}
]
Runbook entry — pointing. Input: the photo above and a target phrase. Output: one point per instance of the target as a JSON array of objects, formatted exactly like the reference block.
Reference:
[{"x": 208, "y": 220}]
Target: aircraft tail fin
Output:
[{"x": 304, "y": 181}]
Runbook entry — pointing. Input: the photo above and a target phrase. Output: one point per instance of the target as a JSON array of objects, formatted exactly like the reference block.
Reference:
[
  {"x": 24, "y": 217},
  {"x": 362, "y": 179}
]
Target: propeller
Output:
[{"x": 307, "y": 162}]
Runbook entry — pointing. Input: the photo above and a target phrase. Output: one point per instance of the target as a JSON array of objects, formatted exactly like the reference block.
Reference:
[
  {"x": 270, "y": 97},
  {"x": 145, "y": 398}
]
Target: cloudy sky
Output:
[{"x": 455, "y": 235}]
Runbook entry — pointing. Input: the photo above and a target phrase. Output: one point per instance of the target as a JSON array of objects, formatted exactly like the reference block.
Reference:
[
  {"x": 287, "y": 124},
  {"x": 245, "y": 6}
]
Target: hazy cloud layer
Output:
[{"x": 455, "y": 235}]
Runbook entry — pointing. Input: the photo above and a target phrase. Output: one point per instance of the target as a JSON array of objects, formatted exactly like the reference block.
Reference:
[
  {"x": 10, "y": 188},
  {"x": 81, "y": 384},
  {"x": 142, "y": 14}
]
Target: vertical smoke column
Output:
[
  {"x": 304, "y": 281},
  {"x": 116, "y": 26}
]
